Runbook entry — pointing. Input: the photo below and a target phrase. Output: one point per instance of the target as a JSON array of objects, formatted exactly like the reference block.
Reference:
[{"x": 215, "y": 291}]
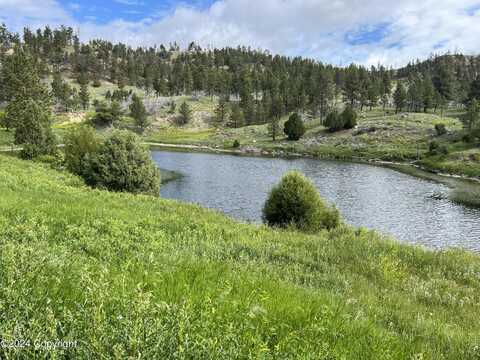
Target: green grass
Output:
[
  {"x": 6, "y": 137},
  {"x": 169, "y": 175},
  {"x": 397, "y": 137},
  {"x": 180, "y": 136},
  {"x": 139, "y": 277},
  {"x": 467, "y": 195}
]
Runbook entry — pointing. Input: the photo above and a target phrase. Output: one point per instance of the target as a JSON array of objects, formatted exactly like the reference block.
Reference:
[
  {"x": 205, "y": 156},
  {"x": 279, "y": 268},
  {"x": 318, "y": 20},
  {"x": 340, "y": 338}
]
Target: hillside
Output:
[{"x": 136, "y": 276}]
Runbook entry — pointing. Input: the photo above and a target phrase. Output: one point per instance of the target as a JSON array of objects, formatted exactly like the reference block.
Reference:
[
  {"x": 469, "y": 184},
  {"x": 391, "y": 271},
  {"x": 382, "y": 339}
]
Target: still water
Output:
[{"x": 373, "y": 197}]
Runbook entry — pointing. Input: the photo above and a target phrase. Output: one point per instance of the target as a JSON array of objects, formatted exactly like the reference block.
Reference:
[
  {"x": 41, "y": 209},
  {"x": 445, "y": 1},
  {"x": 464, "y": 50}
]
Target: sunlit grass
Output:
[{"x": 141, "y": 277}]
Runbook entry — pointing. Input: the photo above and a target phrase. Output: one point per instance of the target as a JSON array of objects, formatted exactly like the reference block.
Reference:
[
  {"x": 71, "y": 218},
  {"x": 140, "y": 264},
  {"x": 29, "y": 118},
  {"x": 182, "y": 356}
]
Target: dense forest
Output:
[
  {"x": 266, "y": 85},
  {"x": 251, "y": 86}
]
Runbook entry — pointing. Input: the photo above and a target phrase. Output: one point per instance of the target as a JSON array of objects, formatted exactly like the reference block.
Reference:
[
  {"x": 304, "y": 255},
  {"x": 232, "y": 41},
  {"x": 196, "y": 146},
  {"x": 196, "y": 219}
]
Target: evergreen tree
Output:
[
  {"x": 221, "y": 111},
  {"x": 352, "y": 87},
  {"x": 28, "y": 110},
  {"x": 400, "y": 97},
  {"x": 32, "y": 127},
  {"x": 84, "y": 96},
  {"x": 326, "y": 91},
  {"x": 237, "y": 119},
  {"x": 294, "y": 128},
  {"x": 472, "y": 116},
  {"x": 372, "y": 94},
  {"x": 386, "y": 88},
  {"x": 334, "y": 121},
  {"x": 138, "y": 112},
  {"x": 349, "y": 118},
  {"x": 474, "y": 92},
  {"x": 278, "y": 109},
  {"x": 246, "y": 98},
  {"x": 185, "y": 113},
  {"x": 428, "y": 94}
]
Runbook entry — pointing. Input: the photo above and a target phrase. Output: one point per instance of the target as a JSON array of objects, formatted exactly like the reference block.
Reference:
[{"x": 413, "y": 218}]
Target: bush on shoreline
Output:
[{"x": 295, "y": 202}]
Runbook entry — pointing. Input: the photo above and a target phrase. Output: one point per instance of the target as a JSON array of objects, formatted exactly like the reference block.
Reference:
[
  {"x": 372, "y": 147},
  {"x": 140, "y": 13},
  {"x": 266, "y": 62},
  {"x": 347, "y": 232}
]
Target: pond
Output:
[{"x": 410, "y": 209}]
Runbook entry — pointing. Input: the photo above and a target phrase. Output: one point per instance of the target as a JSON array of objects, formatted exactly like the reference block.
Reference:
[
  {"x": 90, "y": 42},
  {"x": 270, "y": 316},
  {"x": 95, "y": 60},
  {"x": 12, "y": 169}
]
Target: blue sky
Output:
[
  {"x": 333, "y": 31},
  {"x": 128, "y": 10}
]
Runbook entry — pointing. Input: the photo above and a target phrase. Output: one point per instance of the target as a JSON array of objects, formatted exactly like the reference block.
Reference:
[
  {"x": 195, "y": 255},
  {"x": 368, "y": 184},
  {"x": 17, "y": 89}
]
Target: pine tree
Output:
[
  {"x": 386, "y": 88},
  {"x": 352, "y": 87},
  {"x": 428, "y": 94},
  {"x": 237, "y": 119},
  {"x": 32, "y": 127},
  {"x": 372, "y": 94},
  {"x": 21, "y": 79},
  {"x": 28, "y": 109},
  {"x": 399, "y": 97},
  {"x": 325, "y": 92},
  {"x": 138, "y": 112},
  {"x": 246, "y": 98},
  {"x": 84, "y": 96},
  {"x": 221, "y": 111},
  {"x": 472, "y": 116},
  {"x": 185, "y": 113}
]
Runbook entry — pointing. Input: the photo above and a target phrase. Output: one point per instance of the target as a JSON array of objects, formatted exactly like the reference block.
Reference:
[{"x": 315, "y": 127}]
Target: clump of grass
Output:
[
  {"x": 169, "y": 175},
  {"x": 466, "y": 195}
]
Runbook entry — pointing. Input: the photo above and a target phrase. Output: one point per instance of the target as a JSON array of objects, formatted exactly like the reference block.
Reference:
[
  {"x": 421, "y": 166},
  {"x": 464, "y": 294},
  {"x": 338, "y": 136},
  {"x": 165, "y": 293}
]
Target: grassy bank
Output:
[
  {"x": 136, "y": 276},
  {"x": 169, "y": 175},
  {"x": 380, "y": 135}
]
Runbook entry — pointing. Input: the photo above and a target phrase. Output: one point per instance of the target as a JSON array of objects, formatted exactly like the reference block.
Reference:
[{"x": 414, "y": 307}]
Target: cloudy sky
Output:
[{"x": 334, "y": 31}]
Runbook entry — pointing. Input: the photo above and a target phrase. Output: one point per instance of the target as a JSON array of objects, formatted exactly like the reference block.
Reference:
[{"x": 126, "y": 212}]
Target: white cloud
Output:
[{"x": 312, "y": 28}]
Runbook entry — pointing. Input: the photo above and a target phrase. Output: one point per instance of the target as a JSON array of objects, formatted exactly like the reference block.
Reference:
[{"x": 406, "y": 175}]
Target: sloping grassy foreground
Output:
[{"x": 137, "y": 276}]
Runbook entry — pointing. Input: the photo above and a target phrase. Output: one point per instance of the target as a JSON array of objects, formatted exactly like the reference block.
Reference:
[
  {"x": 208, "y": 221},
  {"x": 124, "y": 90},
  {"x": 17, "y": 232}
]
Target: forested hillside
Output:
[
  {"x": 426, "y": 112},
  {"x": 267, "y": 85}
]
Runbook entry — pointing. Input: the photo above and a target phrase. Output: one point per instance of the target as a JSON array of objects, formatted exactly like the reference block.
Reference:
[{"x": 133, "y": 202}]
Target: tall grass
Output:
[
  {"x": 467, "y": 195},
  {"x": 139, "y": 277}
]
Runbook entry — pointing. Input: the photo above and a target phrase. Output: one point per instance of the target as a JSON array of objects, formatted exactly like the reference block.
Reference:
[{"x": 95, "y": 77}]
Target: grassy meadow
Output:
[{"x": 140, "y": 277}]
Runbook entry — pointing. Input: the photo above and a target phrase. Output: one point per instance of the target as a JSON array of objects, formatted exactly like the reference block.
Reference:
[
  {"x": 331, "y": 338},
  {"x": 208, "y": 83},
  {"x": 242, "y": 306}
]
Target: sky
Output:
[{"x": 332, "y": 31}]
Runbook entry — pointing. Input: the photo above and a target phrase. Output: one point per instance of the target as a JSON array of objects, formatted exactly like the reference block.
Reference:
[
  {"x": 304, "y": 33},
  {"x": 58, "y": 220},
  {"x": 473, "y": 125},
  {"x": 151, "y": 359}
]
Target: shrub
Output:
[
  {"x": 434, "y": 148},
  {"x": 106, "y": 114},
  {"x": 294, "y": 127},
  {"x": 236, "y": 144},
  {"x": 121, "y": 163},
  {"x": 295, "y": 202},
  {"x": 80, "y": 145},
  {"x": 349, "y": 118},
  {"x": 334, "y": 121},
  {"x": 468, "y": 138},
  {"x": 440, "y": 129}
]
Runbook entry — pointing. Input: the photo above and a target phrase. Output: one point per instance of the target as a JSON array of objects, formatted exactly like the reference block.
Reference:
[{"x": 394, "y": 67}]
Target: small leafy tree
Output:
[
  {"x": 294, "y": 127},
  {"x": 185, "y": 113},
  {"x": 295, "y": 202},
  {"x": 138, "y": 112},
  {"x": 121, "y": 163}
]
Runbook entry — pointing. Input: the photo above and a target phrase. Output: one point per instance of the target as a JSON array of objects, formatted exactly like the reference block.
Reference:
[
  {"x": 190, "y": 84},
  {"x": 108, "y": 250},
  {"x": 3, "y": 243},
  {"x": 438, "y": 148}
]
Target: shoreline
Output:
[
  {"x": 258, "y": 152},
  {"x": 459, "y": 185}
]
